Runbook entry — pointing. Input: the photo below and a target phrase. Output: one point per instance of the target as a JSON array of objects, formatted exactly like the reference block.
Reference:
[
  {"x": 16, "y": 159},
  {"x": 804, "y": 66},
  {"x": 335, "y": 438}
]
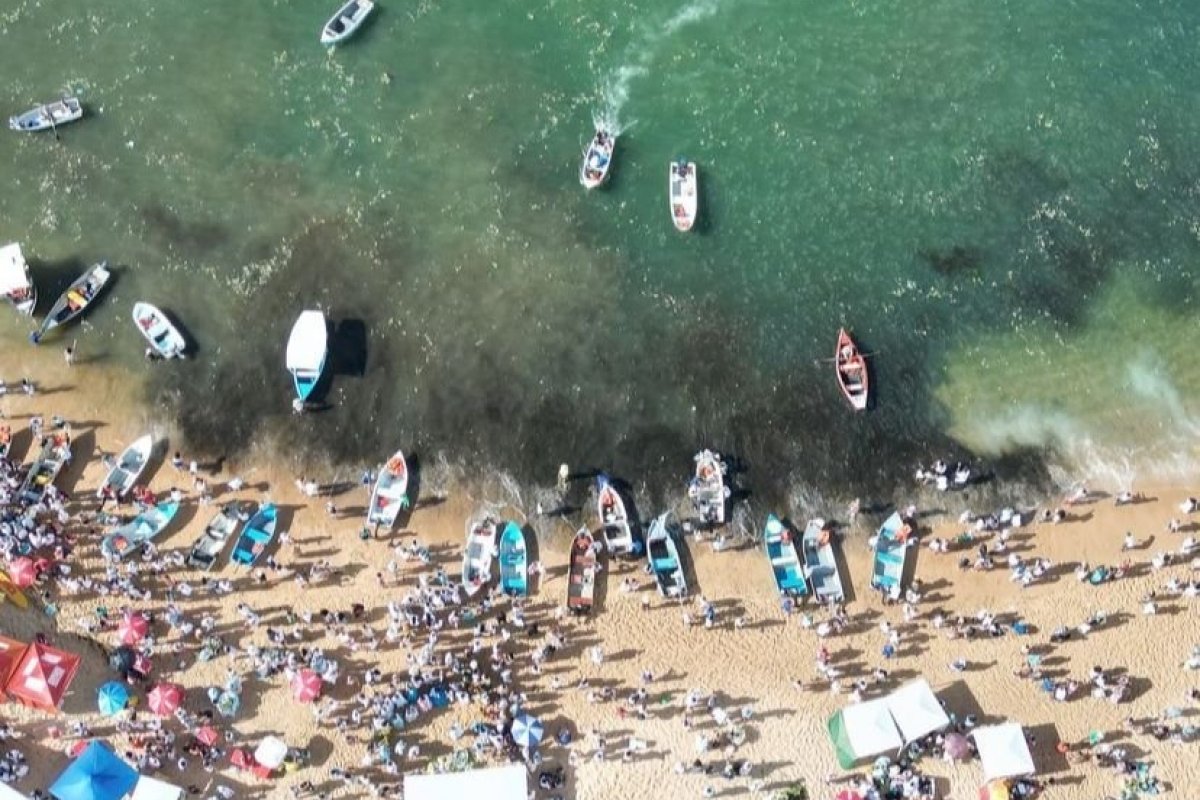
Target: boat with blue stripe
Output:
[
  {"x": 256, "y": 536},
  {"x": 785, "y": 562},
  {"x": 514, "y": 561},
  {"x": 891, "y": 555}
]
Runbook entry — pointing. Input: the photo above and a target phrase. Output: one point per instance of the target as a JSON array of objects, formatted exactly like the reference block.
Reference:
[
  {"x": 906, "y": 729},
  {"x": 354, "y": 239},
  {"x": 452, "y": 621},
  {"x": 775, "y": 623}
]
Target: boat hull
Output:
[
  {"x": 581, "y": 574},
  {"x": 144, "y": 528},
  {"x": 78, "y": 298},
  {"x": 786, "y": 568},
  {"x": 851, "y": 370},
  {"x": 479, "y": 555},
  {"x": 128, "y": 468},
  {"x": 707, "y": 490},
  {"x": 164, "y": 338},
  {"x": 390, "y": 493},
  {"x": 820, "y": 564},
  {"x": 49, "y": 116},
  {"x": 682, "y": 193},
  {"x": 346, "y": 21},
  {"x": 514, "y": 561},
  {"x": 663, "y": 554},
  {"x": 256, "y": 536},
  {"x": 614, "y": 518},
  {"x": 891, "y": 556},
  {"x": 214, "y": 538},
  {"x": 597, "y": 160}
]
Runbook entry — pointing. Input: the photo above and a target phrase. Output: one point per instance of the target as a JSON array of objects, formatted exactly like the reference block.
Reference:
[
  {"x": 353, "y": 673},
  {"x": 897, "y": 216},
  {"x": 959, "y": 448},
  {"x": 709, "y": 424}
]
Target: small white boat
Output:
[
  {"x": 614, "y": 519},
  {"x": 15, "y": 283},
  {"x": 133, "y": 535},
  {"x": 707, "y": 489},
  {"x": 306, "y": 350},
  {"x": 481, "y": 550},
  {"x": 127, "y": 468},
  {"x": 597, "y": 159},
  {"x": 390, "y": 494},
  {"x": 163, "y": 336},
  {"x": 213, "y": 540},
  {"x": 820, "y": 564},
  {"x": 50, "y": 115},
  {"x": 348, "y": 19},
  {"x": 681, "y": 185}
]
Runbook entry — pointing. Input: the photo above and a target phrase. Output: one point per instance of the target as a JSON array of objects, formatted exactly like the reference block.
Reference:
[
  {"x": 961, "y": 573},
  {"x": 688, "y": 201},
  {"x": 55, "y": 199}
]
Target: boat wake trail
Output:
[{"x": 640, "y": 55}]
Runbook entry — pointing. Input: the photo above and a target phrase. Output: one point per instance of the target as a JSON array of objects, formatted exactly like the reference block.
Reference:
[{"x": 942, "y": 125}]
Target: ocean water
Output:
[{"x": 1001, "y": 200}]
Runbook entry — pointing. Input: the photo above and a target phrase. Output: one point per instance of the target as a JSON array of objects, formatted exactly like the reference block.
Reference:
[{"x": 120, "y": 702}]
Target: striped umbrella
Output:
[
  {"x": 527, "y": 731},
  {"x": 306, "y": 686},
  {"x": 112, "y": 698},
  {"x": 133, "y": 628},
  {"x": 23, "y": 572},
  {"x": 165, "y": 698}
]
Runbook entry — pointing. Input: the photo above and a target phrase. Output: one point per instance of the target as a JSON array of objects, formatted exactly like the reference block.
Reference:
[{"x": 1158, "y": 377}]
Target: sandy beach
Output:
[{"x": 754, "y": 657}]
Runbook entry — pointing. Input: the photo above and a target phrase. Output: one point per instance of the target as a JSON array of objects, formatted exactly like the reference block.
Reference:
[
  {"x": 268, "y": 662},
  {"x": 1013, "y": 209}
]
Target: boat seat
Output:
[
  {"x": 243, "y": 556},
  {"x": 257, "y": 536},
  {"x": 783, "y": 561},
  {"x": 890, "y": 558}
]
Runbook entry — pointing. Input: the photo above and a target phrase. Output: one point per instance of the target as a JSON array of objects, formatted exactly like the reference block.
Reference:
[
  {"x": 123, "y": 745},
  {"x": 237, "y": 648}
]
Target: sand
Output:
[{"x": 755, "y": 666}]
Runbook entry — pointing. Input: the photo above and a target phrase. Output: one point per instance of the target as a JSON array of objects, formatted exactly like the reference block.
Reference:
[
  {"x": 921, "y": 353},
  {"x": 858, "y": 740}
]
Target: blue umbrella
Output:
[
  {"x": 113, "y": 698},
  {"x": 97, "y": 774},
  {"x": 527, "y": 731}
]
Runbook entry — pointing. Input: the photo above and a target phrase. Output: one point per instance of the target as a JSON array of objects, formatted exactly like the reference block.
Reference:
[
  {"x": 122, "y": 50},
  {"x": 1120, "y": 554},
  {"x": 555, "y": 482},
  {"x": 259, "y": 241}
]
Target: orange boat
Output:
[
  {"x": 581, "y": 591},
  {"x": 851, "y": 371}
]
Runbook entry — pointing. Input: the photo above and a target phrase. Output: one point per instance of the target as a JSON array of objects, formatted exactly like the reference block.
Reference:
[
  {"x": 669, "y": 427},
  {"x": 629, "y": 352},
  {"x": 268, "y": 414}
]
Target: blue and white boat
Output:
[
  {"x": 664, "y": 559},
  {"x": 256, "y": 536},
  {"x": 820, "y": 564},
  {"x": 614, "y": 518},
  {"x": 785, "y": 563},
  {"x": 133, "y": 535},
  {"x": 891, "y": 555},
  {"x": 514, "y": 561},
  {"x": 307, "y": 349}
]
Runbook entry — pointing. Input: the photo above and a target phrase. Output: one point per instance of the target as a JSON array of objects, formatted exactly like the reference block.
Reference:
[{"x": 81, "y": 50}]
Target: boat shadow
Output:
[
  {"x": 82, "y": 448},
  {"x": 348, "y": 348},
  {"x": 52, "y": 278}
]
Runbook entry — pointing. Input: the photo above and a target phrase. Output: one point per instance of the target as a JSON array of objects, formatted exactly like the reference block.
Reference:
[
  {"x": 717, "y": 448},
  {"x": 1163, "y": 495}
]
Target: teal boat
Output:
[
  {"x": 891, "y": 555},
  {"x": 785, "y": 563},
  {"x": 133, "y": 535},
  {"x": 257, "y": 534},
  {"x": 664, "y": 560},
  {"x": 514, "y": 561}
]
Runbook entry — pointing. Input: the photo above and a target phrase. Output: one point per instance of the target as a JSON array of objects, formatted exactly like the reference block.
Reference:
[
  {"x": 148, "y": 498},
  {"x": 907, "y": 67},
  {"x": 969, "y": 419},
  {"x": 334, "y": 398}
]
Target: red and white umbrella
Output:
[
  {"x": 133, "y": 628},
  {"x": 23, "y": 572},
  {"x": 165, "y": 698},
  {"x": 207, "y": 735},
  {"x": 306, "y": 686},
  {"x": 848, "y": 794}
]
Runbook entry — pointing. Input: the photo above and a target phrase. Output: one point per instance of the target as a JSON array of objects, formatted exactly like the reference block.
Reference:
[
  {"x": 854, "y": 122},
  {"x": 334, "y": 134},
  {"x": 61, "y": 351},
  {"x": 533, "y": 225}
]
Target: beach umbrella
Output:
[
  {"x": 306, "y": 686},
  {"x": 207, "y": 735},
  {"x": 22, "y": 572},
  {"x": 957, "y": 746},
  {"x": 527, "y": 731},
  {"x": 96, "y": 774},
  {"x": 165, "y": 698},
  {"x": 848, "y": 794},
  {"x": 112, "y": 699},
  {"x": 241, "y": 758},
  {"x": 133, "y": 628}
]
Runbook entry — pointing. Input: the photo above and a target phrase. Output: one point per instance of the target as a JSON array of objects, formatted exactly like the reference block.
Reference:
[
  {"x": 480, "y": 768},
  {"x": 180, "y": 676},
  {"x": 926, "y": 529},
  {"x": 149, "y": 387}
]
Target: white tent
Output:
[
  {"x": 14, "y": 272},
  {"x": 495, "y": 783},
  {"x": 863, "y": 729},
  {"x": 916, "y": 710},
  {"x": 1003, "y": 751},
  {"x": 148, "y": 788},
  {"x": 9, "y": 793},
  {"x": 307, "y": 343}
]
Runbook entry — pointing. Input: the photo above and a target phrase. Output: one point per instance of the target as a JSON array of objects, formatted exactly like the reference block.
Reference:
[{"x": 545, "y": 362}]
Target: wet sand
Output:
[{"x": 754, "y": 666}]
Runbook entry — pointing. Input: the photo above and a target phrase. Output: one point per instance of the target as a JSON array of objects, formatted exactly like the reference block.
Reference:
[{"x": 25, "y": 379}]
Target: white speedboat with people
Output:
[
  {"x": 682, "y": 189},
  {"x": 597, "y": 159},
  {"x": 165, "y": 339},
  {"x": 49, "y": 115},
  {"x": 346, "y": 21}
]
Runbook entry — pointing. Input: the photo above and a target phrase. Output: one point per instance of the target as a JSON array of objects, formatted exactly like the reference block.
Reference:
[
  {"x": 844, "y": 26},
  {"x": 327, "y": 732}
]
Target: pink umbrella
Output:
[
  {"x": 165, "y": 698},
  {"x": 306, "y": 686},
  {"x": 848, "y": 794},
  {"x": 133, "y": 628},
  {"x": 207, "y": 735},
  {"x": 22, "y": 571}
]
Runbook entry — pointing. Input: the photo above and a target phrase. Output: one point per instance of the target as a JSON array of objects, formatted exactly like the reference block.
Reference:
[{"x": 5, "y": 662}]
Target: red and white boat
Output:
[{"x": 851, "y": 371}]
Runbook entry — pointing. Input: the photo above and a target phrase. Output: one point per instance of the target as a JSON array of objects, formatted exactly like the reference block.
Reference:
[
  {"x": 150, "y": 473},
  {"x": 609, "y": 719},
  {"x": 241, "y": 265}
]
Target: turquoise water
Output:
[{"x": 999, "y": 199}]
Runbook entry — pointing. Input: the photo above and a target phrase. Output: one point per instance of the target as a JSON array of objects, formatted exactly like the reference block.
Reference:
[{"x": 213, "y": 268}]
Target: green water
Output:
[{"x": 999, "y": 199}]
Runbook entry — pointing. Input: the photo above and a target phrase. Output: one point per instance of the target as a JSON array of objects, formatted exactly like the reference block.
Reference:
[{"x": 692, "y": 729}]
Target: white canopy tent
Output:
[
  {"x": 9, "y": 793},
  {"x": 1003, "y": 751},
  {"x": 494, "y": 783},
  {"x": 863, "y": 729},
  {"x": 14, "y": 272},
  {"x": 148, "y": 788},
  {"x": 916, "y": 710}
]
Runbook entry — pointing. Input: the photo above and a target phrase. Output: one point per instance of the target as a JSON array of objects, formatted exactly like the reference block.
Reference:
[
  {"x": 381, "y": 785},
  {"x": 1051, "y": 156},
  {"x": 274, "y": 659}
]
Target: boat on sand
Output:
[
  {"x": 256, "y": 536},
  {"x": 514, "y": 561},
  {"x": 133, "y": 535},
  {"x": 851, "y": 371},
  {"x": 707, "y": 489},
  {"x": 214, "y": 538},
  {"x": 390, "y": 494},
  {"x": 597, "y": 159},
  {"x": 126, "y": 469},
  {"x": 480, "y": 552},
  {"x": 78, "y": 297},
  {"x": 581, "y": 587},
  {"x": 785, "y": 563},
  {"x": 682, "y": 192},
  {"x": 664, "y": 559},
  {"x": 56, "y": 450},
  {"x": 820, "y": 564},
  {"x": 891, "y": 555},
  {"x": 614, "y": 519}
]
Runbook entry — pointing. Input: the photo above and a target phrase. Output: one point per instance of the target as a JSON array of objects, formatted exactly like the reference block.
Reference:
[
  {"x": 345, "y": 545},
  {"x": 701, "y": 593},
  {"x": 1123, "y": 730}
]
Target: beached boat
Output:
[
  {"x": 581, "y": 587},
  {"x": 75, "y": 300},
  {"x": 346, "y": 21},
  {"x": 480, "y": 552},
  {"x": 56, "y": 449},
  {"x": 256, "y": 536},
  {"x": 127, "y": 468},
  {"x": 390, "y": 494},
  {"x": 214, "y": 538},
  {"x": 133, "y": 535},
  {"x": 47, "y": 116},
  {"x": 159, "y": 331},
  {"x": 307, "y": 347},
  {"x": 514, "y": 561},
  {"x": 15, "y": 283},
  {"x": 597, "y": 159},
  {"x": 891, "y": 555},
  {"x": 785, "y": 563},
  {"x": 820, "y": 564},
  {"x": 681, "y": 187},
  {"x": 614, "y": 519},
  {"x": 707, "y": 489},
  {"x": 664, "y": 559},
  {"x": 851, "y": 371}
]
